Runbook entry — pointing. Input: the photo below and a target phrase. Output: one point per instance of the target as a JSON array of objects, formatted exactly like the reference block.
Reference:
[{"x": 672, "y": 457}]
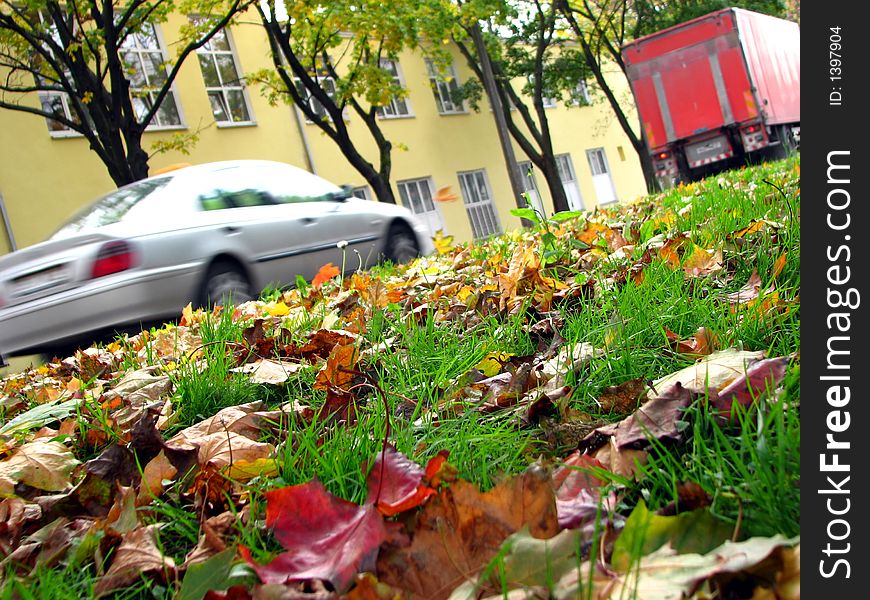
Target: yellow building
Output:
[{"x": 47, "y": 175}]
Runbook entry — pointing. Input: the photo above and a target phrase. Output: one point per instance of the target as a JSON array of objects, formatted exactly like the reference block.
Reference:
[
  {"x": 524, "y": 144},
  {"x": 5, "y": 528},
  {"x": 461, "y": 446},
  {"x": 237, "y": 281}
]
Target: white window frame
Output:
[
  {"x": 477, "y": 196},
  {"x": 547, "y": 101},
  {"x": 568, "y": 175},
  {"x": 427, "y": 202},
  {"x": 55, "y": 127},
  {"x": 442, "y": 88},
  {"x": 581, "y": 90},
  {"x": 398, "y": 108},
  {"x": 530, "y": 184},
  {"x": 313, "y": 103},
  {"x": 598, "y": 165},
  {"x": 225, "y": 89},
  {"x": 141, "y": 53}
]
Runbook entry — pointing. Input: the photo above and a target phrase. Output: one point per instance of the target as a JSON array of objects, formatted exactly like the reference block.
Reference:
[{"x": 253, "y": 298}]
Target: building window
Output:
[
  {"x": 144, "y": 57},
  {"x": 416, "y": 196},
  {"x": 478, "y": 203},
  {"x": 225, "y": 88},
  {"x": 580, "y": 93},
  {"x": 597, "y": 161},
  {"x": 362, "y": 192},
  {"x": 397, "y": 107},
  {"x": 530, "y": 185},
  {"x": 568, "y": 177},
  {"x": 443, "y": 88},
  {"x": 547, "y": 101},
  {"x": 328, "y": 86},
  {"x": 57, "y": 103}
]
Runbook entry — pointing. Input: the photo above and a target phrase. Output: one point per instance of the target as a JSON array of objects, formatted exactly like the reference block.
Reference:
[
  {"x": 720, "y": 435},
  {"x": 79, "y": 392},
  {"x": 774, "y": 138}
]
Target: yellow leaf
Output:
[
  {"x": 493, "y": 362},
  {"x": 443, "y": 243},
  {"x": 245, "y": 470},
  {"x": 277, "y": 309},
  {"x": 187, "y": 315}
]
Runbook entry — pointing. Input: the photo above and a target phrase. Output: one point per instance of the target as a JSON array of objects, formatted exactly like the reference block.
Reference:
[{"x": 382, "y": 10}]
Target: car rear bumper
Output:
[{"x": 100, "y": 304}]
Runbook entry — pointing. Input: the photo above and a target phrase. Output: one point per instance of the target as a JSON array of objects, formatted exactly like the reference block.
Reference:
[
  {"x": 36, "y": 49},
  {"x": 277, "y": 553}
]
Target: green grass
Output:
[{"x": 749, "y": 467}]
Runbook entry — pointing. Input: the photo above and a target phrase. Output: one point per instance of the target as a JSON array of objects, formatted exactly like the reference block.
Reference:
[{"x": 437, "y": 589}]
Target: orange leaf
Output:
[
  {"x": 778, "y": 266},
  {"x": 332, "y": 374},
  {"x": 445, "y": 194},
  {"x": 326, "y": 272}
]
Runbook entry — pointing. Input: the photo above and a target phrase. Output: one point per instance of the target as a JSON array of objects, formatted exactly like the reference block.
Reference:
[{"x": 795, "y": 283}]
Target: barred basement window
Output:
[{"x": 478, "y": 203}]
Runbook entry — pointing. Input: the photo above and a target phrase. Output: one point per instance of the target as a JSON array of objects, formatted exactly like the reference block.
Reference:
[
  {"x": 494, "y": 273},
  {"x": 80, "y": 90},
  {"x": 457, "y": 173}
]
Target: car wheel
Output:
[
  {"x": 226, "y": 284},
  {"x": 402, "y": 245}
]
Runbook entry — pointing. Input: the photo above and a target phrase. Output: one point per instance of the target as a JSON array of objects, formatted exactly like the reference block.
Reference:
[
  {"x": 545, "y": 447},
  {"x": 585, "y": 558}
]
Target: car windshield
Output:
[{"x": 112, "y": 207}]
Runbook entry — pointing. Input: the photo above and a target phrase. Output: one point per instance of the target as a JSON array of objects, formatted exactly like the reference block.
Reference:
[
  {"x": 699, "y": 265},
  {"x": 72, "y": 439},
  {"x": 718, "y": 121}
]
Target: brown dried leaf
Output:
[
  {"x": 138, "y": 554},
  {"x": 460, "y": 530},
  {"x": 622, "y": 399},
  {"x": 43, "y": 464}
]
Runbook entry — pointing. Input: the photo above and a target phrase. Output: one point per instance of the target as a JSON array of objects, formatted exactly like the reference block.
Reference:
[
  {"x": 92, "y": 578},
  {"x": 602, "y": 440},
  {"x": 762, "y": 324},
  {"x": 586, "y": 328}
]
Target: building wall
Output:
[{"x": 44, "y": 179}]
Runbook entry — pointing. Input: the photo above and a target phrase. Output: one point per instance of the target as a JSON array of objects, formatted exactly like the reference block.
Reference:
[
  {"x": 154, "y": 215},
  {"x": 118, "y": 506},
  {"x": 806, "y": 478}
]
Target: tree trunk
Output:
[{"x": 554, "y": 183}]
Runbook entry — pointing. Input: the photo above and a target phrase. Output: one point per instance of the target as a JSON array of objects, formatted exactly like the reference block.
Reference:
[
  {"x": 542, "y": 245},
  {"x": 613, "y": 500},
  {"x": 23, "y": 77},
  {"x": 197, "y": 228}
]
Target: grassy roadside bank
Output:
[{"x": 630, "y": 376}]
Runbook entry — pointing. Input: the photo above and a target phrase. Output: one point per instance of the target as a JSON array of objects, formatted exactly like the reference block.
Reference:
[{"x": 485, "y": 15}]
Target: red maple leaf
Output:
[
  {"x": 395, "y": 483},
  {"x": 326, "y": 538}
]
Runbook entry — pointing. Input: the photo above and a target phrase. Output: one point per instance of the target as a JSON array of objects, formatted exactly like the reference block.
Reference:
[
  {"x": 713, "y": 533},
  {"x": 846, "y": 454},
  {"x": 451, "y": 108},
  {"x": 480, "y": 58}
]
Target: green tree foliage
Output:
[
  {"x": 533, "y": 63},
  {"x": 329, "y": 61},
  {"x": 77, "y": 55}
]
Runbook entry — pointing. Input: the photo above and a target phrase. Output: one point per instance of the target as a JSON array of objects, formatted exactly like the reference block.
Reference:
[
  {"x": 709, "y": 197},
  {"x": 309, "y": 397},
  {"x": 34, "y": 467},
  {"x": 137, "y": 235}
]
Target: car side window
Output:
[{"x": 220, "y": 199}]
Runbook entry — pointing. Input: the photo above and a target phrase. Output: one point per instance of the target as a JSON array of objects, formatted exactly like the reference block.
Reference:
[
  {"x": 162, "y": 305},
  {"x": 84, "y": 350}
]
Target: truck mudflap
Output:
[{"x": 708, "y": 151}]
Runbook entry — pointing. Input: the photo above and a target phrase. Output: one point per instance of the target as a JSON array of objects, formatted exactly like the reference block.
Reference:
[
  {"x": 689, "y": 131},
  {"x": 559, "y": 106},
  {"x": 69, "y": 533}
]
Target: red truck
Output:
[{"x": 715, "y": 91}]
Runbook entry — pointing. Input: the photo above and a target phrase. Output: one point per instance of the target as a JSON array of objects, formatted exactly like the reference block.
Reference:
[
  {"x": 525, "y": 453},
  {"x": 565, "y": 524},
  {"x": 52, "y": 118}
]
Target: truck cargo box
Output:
[{"x": 717, "y": 85}]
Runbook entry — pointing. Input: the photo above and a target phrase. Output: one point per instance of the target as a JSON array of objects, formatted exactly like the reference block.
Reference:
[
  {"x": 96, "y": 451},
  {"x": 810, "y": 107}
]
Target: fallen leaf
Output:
[
  {"x": 578, "y": 492},
  {"x": 713, "y": 371},
  {"x": 137, "y": 555},
  {"x": 335, "y": 372},
  {"x": 395, "y": 483},
  {"x": 623, "y": 461},
  {"x": 158, "y": 470},
  {"x": 761, "y": 377},
  {"x": 702, "y": 262},
  {"x": 210, "y": 574},
  {"x": 668, "y": 574},
  {"x": 697, "y": 531},
  {"x": 460, "y": 529},
  {"x": 222, "y": 449},
  {"x": 326, "y": 538},
  {"x": 529, "y": 562},
  {"x": 623, "y": 398},
  {"x": 273, "y": 372},
  {"x": 326, "y": 272},
  {"x": 656, "y": 419},
  {"x": 42, "y": 464}
]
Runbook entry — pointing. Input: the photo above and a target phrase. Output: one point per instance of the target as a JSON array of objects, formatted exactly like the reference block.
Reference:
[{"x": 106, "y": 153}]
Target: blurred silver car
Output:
[{"x": 205, "y": 234}]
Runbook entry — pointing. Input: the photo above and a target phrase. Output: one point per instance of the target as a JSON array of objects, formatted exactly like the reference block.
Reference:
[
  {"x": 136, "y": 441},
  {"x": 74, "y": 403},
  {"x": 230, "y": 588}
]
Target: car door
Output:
[
  {"x": 323, "y": 218},
  {"x": 246, "y": 221}
]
